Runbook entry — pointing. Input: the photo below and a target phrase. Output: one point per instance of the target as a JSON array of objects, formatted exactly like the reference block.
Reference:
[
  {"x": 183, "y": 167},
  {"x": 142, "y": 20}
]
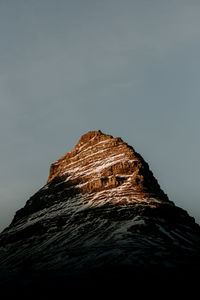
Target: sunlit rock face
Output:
[
  {"x": 101, "y": 209},
  {"x": 100, "y": 169}
]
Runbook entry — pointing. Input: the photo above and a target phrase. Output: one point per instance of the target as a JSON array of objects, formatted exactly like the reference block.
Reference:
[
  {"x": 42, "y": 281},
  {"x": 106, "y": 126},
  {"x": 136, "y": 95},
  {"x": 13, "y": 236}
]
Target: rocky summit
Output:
[{"x": 101, "y": 218}]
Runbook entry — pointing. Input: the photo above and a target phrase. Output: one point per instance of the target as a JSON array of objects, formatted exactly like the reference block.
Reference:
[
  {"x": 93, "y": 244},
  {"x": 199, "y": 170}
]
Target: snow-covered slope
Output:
[{"x": 101, "y": 208}]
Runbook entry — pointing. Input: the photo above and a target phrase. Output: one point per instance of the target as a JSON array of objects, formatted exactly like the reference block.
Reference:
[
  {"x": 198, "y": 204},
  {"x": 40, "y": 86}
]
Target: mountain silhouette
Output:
[{"x": 100, "y": 222}]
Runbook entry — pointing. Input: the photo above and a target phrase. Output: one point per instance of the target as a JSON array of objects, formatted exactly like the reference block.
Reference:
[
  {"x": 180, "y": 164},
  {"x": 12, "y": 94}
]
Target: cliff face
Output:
[
  {"x": 101, "y": 208},
  {"x": 100, "y": 162},
  {"x": 101, "y": 169}
]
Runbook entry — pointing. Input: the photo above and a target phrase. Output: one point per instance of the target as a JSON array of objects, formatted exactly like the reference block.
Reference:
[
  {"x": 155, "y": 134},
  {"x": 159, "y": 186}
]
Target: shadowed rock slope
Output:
[{"x": 101, "y": 217}]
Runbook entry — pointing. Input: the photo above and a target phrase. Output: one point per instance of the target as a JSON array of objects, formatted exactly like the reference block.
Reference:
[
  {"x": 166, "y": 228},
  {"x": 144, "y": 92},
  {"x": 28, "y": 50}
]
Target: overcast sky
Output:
[{"x": 128, "y": 67}]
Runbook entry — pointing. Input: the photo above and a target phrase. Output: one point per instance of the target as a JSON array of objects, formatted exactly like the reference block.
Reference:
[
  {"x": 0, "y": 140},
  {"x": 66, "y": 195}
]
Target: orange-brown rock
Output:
[{"x": 100, "y": 162}]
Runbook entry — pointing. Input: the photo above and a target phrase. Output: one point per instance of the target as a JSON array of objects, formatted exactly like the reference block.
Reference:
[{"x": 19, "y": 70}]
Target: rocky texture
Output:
[
  {"x": 101, "y": 209},
  {"x": 102, "y": 169}
]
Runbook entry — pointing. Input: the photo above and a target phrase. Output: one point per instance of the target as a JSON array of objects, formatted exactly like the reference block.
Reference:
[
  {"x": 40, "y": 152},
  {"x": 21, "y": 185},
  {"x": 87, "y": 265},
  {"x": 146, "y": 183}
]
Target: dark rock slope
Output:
[{"x": 101, "y": 217}]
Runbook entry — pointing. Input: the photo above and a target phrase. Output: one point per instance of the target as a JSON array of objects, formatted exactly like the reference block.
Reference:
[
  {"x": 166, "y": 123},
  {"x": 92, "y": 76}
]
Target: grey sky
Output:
[{"x": 130, "y": 68}]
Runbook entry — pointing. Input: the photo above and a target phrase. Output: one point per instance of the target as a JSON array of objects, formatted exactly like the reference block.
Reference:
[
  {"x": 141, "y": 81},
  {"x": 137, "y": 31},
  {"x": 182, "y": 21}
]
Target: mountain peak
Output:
[
  {"x": 99, "y": 162},
  {"x": 101, "y": 169},
  {"x": 93, "y": 137},
  {"x": 101, "y": 209},
  {"x": 90, "y": 135}
]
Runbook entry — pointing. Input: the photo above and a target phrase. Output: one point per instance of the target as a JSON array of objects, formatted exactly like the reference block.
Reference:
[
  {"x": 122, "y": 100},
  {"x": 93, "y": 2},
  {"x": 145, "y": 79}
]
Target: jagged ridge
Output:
[{"x": 105, "y": 168}]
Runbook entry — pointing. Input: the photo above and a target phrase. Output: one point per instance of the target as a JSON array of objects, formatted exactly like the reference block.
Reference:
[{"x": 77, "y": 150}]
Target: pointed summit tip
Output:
[
  {"x": 96, "y": 134},
  {"x": 92, "y": 133}
]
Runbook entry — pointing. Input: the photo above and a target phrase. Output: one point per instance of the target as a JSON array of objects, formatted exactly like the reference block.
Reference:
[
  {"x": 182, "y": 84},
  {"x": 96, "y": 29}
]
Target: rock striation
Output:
[
  {"x": 101, "y": 209},
  {"x": 103, "y": 170}
]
